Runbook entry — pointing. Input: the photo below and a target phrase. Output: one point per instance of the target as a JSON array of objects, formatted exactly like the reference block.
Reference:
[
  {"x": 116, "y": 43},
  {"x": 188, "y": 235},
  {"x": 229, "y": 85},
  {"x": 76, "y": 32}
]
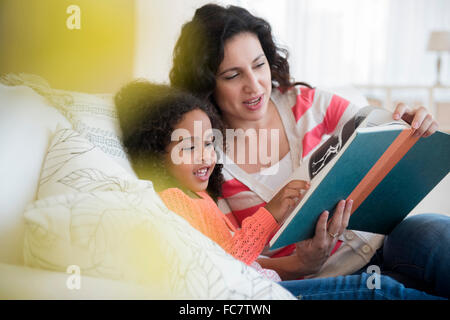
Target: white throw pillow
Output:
[
  {"x": 74, "y": 164},
  {"x": 95, "y": 215},
  {"x": 132, "y": 236},
  {"x": 95, "y": 117}
]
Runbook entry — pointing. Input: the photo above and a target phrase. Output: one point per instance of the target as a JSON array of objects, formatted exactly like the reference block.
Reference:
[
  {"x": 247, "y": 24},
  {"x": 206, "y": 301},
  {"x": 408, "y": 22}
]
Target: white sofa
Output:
[
  {"x": 28, "y": 123},
  {"x": 44, "y": 227}
]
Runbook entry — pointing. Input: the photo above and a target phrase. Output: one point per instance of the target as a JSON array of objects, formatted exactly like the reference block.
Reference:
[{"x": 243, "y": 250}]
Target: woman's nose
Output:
[{"x": 251, "y": 82}]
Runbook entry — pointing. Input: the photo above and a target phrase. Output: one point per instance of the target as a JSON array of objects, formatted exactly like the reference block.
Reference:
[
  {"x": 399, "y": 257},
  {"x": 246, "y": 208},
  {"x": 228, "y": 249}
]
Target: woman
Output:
[
  {"x": 186, "y": 187},
  {"x": 228, "y": 56}
]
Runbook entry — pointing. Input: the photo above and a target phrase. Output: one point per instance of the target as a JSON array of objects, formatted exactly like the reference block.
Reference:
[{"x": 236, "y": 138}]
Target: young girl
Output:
[
  {"x": 169, "y": 138},
  {"x": 150, "y": 117}
]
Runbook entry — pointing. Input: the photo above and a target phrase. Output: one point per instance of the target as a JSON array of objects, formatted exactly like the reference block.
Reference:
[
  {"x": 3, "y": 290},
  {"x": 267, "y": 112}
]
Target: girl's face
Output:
[
  {"x": 191, "y": 157},
  {"x": 243, "y": 80}
]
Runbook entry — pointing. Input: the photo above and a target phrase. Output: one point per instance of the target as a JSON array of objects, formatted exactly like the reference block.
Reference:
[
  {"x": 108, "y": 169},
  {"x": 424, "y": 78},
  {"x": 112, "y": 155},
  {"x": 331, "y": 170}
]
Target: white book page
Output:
[{"x": 380, "y": 117}]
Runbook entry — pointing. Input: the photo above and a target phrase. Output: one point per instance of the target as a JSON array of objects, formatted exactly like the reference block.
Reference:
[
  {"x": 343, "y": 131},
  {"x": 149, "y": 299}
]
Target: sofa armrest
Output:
[{"x": 19, "y": 282}]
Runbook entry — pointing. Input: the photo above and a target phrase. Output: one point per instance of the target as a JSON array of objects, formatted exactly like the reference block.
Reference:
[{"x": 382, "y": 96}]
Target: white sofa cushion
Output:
[
  {"x": 30, "y": 111},
  {"x": 74, "y": 164},
  {"x": 95, "y": 117},
  {"x": 95, "y": 215},
  {"x": 24, "y": 283},
  {"x": 132, "y": 236},
  {"x": 27, "y": 123}
]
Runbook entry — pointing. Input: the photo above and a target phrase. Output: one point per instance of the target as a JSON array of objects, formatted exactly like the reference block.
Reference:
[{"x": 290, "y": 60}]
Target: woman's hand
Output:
[
  {"x": 419, "y": 119},
  {"x": 312, "y": 253},
  {"x": 286, "y": 199}
]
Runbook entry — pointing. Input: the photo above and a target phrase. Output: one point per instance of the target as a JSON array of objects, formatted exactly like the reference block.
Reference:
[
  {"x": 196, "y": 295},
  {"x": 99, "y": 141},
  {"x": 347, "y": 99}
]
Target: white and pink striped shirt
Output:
[{"x": 308, "y": 115}]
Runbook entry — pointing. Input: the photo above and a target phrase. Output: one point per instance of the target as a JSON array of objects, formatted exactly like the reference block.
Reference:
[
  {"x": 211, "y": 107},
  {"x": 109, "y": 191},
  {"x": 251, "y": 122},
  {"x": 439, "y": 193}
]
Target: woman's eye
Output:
[
  {"x": 232, "y": 76},
  {"x": 189, "y": 148},
  {"x": 260, "y": 65}
]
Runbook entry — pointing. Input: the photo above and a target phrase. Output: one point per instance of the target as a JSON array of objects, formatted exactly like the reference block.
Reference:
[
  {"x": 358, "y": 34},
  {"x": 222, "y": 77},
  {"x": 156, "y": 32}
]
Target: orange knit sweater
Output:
[{"x": 244, "y": 244}]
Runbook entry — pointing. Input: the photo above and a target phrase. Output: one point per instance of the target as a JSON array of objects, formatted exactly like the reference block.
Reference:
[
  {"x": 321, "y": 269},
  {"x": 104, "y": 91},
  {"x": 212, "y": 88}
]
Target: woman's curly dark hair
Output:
[
  {"x": 200, "y": 48},
  {"x": 148, "y": 113}
]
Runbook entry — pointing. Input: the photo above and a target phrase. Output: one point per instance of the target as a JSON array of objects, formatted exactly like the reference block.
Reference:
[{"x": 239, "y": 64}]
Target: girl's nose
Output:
[
  {"x": 206, "y": 156},
  {"x": 198, "y": 156},
  {"x": 209, "y": 155}
]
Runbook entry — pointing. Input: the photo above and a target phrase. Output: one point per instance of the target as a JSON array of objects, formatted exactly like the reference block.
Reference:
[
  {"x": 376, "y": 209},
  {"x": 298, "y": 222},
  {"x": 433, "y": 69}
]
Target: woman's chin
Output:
[{"x": 257, "y": 114}]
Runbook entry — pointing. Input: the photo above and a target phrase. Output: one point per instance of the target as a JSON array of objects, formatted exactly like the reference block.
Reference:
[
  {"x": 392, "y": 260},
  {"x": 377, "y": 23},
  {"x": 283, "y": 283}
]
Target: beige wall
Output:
[
  {"x": 98, "y": 57},
  {"x": 158, "y": 26}
]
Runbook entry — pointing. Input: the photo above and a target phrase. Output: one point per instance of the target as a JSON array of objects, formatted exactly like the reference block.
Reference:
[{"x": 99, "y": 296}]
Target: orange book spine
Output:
[{"x": 399, "y": 147}]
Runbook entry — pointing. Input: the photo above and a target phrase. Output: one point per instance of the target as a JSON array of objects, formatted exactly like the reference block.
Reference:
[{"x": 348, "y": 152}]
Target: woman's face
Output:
[
  {"x": 243, "y": 80},
  {"x": 191, "y": 157}
]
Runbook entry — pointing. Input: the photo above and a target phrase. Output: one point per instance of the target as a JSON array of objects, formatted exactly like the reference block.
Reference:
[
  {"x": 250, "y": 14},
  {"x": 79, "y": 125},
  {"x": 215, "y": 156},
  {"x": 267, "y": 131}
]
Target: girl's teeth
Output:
[{"x": 201, "y": 172}]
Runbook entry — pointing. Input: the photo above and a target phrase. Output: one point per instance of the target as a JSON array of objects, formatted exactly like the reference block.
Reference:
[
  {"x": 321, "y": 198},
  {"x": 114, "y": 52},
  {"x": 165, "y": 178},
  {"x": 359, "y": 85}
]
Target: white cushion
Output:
[
  {"x": 95, "y": 117},
  {"x": 94, "y": 214},
  {"x": 132, "y": 236},
  {"x": 74, "y": 164},
  {"x": 27, "y": 122},
  {"x": 24, "y": 283}
]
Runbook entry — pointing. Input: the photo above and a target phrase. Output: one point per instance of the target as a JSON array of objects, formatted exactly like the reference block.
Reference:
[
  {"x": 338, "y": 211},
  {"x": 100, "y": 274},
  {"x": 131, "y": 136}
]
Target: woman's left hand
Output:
[{"x": 420, "y": 119}]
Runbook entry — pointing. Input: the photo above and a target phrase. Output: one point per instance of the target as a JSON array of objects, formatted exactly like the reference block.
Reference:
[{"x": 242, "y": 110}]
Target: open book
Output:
[{"x": 377, "y": 163}]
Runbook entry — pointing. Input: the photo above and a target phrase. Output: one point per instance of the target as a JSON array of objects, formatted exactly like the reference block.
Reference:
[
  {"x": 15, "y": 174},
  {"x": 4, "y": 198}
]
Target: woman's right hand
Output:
[
  {"x": 312, "y": 253},
  {"x": 286, "y": 199}
]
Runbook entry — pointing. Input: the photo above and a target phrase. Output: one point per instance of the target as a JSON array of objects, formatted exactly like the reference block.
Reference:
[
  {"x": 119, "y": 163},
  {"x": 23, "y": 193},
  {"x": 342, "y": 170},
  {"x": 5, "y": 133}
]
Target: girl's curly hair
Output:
[
  {"x": 148, "y": 113},
  {"x": 200, "y": 48}
]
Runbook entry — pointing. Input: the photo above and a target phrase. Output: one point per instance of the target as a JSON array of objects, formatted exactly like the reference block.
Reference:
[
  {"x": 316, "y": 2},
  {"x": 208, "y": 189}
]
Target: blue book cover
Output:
[{"x": 410, "y": 180}]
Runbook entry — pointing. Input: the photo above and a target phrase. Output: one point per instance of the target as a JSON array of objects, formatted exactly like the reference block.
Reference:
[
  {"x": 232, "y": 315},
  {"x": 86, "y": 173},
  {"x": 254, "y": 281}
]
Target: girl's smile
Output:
[
  {"x": 191, "y": 156},
  {"x": 203, "y": 173}
]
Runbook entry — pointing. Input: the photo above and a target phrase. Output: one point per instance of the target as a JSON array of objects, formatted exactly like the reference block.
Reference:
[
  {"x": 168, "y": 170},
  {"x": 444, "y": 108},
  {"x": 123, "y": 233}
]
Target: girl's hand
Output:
[
  {"x": 286, "y": 199},
  {"x": 312, "y": 253},
  {"x": 419, "y": 119}
]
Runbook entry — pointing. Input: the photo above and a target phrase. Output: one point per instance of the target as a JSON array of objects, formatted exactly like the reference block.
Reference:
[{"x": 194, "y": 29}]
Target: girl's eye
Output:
[
  {"x": 189, "y": 148},
  {"x": 260, "y": 65},
  {"x": 209, "y": 144}
]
